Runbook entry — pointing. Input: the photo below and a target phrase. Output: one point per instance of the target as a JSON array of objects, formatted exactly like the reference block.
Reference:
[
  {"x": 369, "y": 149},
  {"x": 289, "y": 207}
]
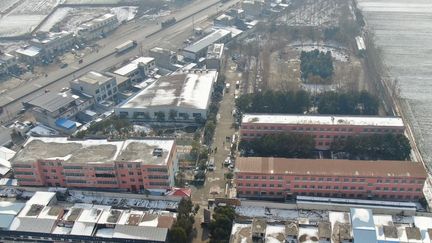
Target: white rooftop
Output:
[
  {"x": 10, "y": 208},
  {"x": 81, "y": 228},
  {"x": 30, "y": 51},
  {"x": 323, "y": 120},
  {"x": 91, "y": 215},
  {"x": 190, "y": 89},
  {"x": 41, "y": 198},
  {"x": 132, "y": 66}
]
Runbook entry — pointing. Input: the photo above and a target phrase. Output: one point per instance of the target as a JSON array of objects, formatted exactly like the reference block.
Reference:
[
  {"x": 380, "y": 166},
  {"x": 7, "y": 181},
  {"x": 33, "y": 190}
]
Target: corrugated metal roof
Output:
[
  {"x": 52, "y": 101},
  {"x": 207, "y": 40},
  {"x": 140, "y": 233}
]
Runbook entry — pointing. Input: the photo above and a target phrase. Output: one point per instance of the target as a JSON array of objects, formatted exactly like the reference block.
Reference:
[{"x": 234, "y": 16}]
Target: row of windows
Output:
[
  {"x": 136, "y": 165},
  {"x": 74, "y": 174},
  {"x": 157, "y": 170},
  {"x": 321, "y": 129},
  {"x": 158, "y": 184},
  {"x": 104, "y": 168},
  {"x": 258, "y": 185},
  {"x": 22, "y": 166},
  {"x": 23, "y": 173},
  {"x": 158, "y": 177},
  {"x": 72, "y": 167},
  {"x": 27, "y": 179},
  {"x": 107, "y": 182},
  {"x": 76, "y": 181},
  {"x": 319, "y": 194}
]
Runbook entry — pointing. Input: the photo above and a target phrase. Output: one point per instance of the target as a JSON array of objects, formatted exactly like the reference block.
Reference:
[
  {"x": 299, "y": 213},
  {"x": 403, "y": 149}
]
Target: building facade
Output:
[
  {"x": 138, "y": 69},
  {"x": 8, "y": 63},
  {"x": 325, "y": 129},
  {"x": 97, "y": 85},
  {"x": 199, "y": 48},
  {"x": 214, "y": 58},
  {"x": 97, "y": 27},
  {"x": 132, "y": 165},
  {"x": 52, "y": 44},
  {"x": 258, "y": 177}
]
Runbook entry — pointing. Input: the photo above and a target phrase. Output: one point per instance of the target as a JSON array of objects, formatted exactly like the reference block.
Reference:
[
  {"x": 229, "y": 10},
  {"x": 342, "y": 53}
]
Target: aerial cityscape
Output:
[{"x": 215, "y": 121}]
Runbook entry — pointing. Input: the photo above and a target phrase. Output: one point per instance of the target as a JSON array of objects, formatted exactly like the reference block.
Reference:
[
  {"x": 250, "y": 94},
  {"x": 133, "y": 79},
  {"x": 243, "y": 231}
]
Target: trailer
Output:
[
  {"x": 168, "y": 22},
  {"x": 126, "y": 46}
]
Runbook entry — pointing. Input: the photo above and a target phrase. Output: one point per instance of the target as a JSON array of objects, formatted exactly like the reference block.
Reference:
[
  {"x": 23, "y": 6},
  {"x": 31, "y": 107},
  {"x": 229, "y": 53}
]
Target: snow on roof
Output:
[
  {"x": 110, "y": 216},
  {"x": 51, "y": 212},
  {"x": 275, "y": 234},
  {"x": 241, "y": 233},
  {"x": 91, "y": 215},
  {"x": 33, "y": 225},
  {"x": 132, "y": 66},
  {"x": 6, "y": 153},
  {"x": 82, "y": 228},
  {"x": 323, "y": 120},
  {"x": 105, "y": 232},
  {"x": 100, "y": 150},
  {"x": 190, "y": 89},
  {"x": 425, "y": 226},
  {"x": 11, "y": 208},
  {"x": 30, "y": 51},
  {"x": 93, "y": 77},
  {"x": 62, "y": 230},
  {"x": 203, "y": 43},
  {"x": 131, "y": 217},
  {"x": 41, "y": 198},
  {"x": 360, "y": 43},
  {"x": 363, "y": 225},
  {"x": 308, "y": 234}
]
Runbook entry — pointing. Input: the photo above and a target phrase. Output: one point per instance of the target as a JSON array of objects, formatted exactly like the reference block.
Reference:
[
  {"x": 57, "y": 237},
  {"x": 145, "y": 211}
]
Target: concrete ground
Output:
[{"x": 215, "y": 180}]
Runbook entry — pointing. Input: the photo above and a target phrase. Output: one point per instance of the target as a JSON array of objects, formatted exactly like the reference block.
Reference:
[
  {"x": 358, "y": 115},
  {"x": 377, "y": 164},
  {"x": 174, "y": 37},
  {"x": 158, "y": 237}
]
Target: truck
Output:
[
  {"x": 168, "y": 22},
  {"x": 126, "y": 46}
]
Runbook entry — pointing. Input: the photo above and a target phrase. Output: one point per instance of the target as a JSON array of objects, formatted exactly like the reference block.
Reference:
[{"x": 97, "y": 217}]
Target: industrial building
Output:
[
  {"x": 199, "y": 48},
  {"x": 132, "y": 165},
  {"x": 259, "y": 177},
  {"x": 8, "y": 63},
  {"x": 324, "y": 128},
  {"x": 30, "y": 54},
  {"x": 180, "y": 97},
  {"x": 96, "y": 85},
  {"x": 58, "y": 110},
  {"x": 43, "y": 219}
]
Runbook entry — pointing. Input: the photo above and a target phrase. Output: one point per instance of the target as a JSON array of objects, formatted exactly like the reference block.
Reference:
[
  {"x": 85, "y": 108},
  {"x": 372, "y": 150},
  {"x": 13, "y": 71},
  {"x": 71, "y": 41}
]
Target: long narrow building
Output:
[
  {"x": 133, "y": 164},
  {"x": 259, "y": 177},
  {"x": 324, "y": 128}
]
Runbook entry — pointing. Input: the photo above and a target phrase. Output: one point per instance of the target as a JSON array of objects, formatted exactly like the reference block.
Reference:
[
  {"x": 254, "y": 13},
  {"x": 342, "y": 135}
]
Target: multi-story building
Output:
[
  {"x": 258, "y": 177},
  {"x": 8, "y": 63},
  {"x": 180, "y": 97},
  {"x": 132, "y": 165},
  {"x": 324, "y": 128},
  {"x": 164, "y": 58},
  {"x": 58, "y": 110},
  {"x": 214, "y": 58},
  {"x": 98, "y": 27},
  {"x": 138, "y": 69},
  {"x": 54, "y": 43},
  {"x": 97, "y": 85}
]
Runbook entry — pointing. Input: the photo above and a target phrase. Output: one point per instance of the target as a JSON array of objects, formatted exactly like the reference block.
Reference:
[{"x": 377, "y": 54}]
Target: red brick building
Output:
[
  {"x": 324, "y": 128},
  {"x": 133, "y": 164},
  {"x": 259, "y": 177}
]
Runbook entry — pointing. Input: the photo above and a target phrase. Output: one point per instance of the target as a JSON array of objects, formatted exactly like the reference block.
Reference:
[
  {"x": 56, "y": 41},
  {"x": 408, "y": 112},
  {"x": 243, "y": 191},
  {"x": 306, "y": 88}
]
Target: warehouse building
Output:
[
  {"x": 97, "y": 85},
  {"x": 181, "y": 97},
  {"x": 259, "y": 177},
  {"x": 132, "y": 165},
  {"x": 324, "y": 128}
]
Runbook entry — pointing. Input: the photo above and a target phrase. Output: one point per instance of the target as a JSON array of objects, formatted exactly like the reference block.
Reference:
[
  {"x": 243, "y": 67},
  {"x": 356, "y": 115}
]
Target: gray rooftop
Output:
[
  {"x": 140, "y": 233},
  {"x": 203, "y": 43},
  {"x": 93, "y": 77},
  {"x": 215, "y": 51},
  {"x": 93, "y": 150},
  {"x": 52, "y": 101}
]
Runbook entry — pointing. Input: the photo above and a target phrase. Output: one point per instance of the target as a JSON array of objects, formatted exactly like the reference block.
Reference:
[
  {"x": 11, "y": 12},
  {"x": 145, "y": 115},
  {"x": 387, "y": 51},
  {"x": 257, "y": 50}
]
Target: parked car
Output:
[{"x": 227, "y": 161}]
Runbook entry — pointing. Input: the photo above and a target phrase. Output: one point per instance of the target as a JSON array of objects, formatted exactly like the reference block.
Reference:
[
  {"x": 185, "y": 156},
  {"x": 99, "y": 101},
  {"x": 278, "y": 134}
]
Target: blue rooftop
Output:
[{"x": 65, "y": 123}]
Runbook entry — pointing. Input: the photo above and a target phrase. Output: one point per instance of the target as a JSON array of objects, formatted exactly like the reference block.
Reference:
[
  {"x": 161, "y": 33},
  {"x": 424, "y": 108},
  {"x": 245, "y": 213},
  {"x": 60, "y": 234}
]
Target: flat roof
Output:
[
  {"x": 140, "y": 233},
  {"x": 83, "y": 228},
  {"x": 33, "y": 225},
  {"x": 11, "y": 208},
  {"x": 93, "y": 77},
  {"x": 328, "y": 167},
  {"x": 203, "y": 43},
  {"x": 30, "y": 51},
  {"x": 41, "y": 198},
  {"x": 94, "y": 150},
  {"x": 96, "y": 20},
  {"x": 190, "y": 89},
  {"x": 215, "y": 51},
  {"x": 322, "y": 120},
  {"x": 132, "y": 66},
  {"x": 52, "y": 101}
]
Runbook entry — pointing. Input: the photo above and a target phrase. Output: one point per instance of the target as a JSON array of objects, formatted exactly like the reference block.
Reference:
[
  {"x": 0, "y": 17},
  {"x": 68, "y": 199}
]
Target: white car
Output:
[{"x": 227, "y": 161}]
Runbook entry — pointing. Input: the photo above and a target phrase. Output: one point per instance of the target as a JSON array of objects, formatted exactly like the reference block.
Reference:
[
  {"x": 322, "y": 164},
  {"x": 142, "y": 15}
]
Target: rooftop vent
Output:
[{"x": 157, "y": 152}]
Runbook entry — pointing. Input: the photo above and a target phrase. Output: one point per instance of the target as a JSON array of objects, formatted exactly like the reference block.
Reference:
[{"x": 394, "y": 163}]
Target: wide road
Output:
[{"x": 147, "y": 36}]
